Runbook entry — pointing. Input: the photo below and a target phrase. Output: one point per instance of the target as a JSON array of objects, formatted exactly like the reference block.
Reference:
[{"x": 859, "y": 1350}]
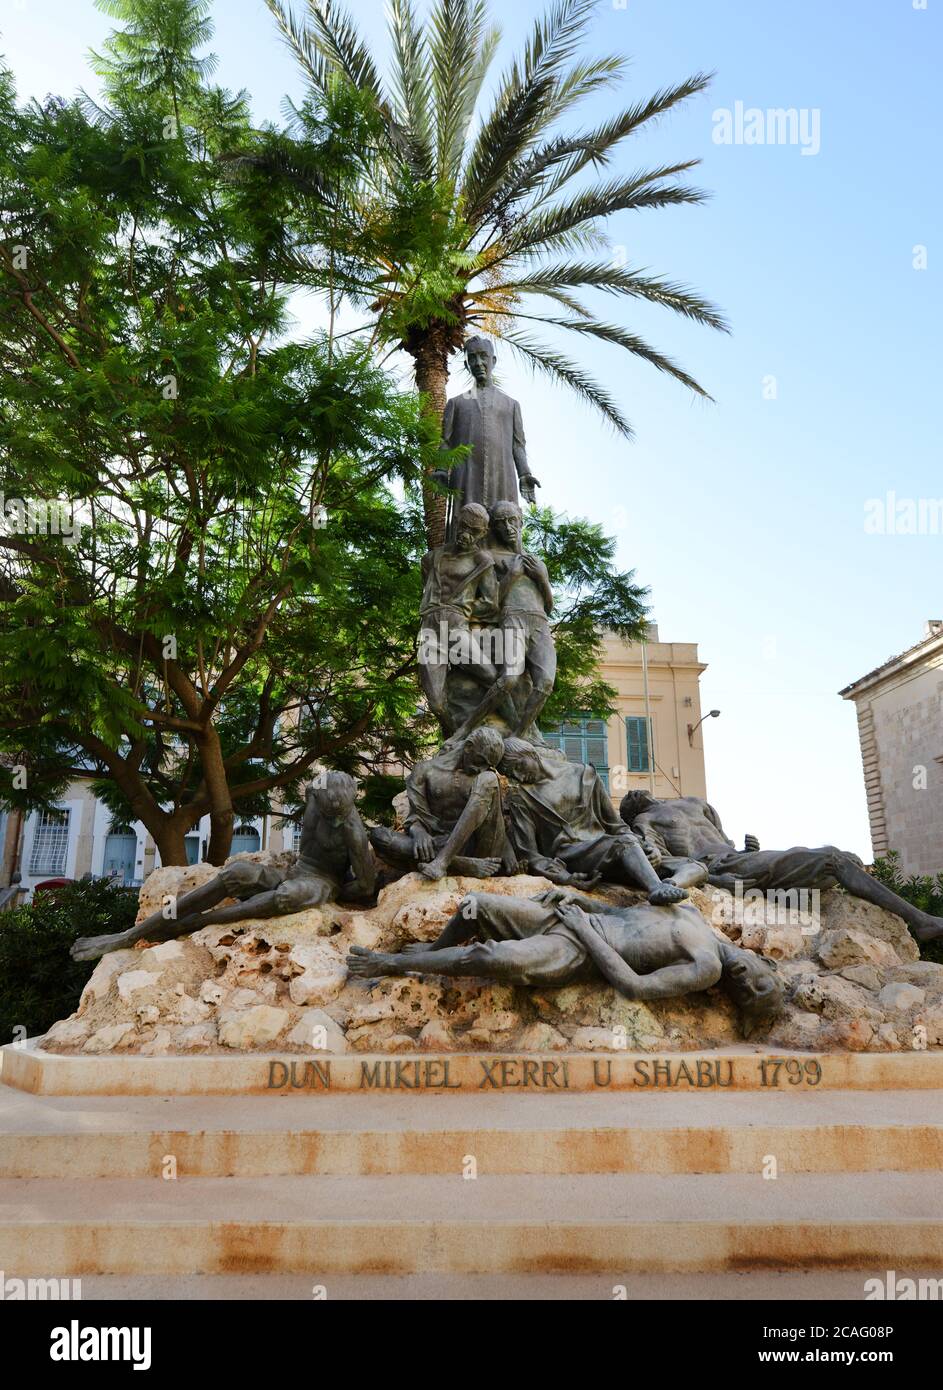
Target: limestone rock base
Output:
[{"x": 855, "y": 983}]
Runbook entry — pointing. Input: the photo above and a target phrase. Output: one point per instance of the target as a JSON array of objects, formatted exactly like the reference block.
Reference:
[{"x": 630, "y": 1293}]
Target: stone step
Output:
[
  {"x": 374, "y": 1134},
  {"x": 535, "y": 1224},
  {"x": 774, "y": 1285},
  {"x": 30, "y": 1068}
]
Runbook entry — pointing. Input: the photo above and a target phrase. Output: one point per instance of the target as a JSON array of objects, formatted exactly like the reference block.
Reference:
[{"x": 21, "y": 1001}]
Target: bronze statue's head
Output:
[
  {"x": 753, "y": 985},
  {"x": 507, "y": 523},
  {"x": 472, "y": 526},
  {"x": 334, "y": 794},
  {"x": 635, "y": 804},
  {"x": 521, "y": 760},
  {"x": 480, "y": 357},
  {"x": 484, "y": 747}
]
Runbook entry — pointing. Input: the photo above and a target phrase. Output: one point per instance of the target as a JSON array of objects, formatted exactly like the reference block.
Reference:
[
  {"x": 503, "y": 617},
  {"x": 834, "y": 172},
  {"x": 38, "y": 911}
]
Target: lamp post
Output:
[{"x": 693, "y": 728}]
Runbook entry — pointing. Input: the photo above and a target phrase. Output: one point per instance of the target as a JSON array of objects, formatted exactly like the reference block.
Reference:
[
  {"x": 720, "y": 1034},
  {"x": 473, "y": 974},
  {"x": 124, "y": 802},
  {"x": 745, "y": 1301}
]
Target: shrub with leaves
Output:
[
  {"x": 39, "y": 982},
  {"x": 922, "y": 890}
]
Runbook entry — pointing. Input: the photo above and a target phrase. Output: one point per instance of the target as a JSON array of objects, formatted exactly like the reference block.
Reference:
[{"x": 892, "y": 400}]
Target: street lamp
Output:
[{"x": 693, "y": 728}]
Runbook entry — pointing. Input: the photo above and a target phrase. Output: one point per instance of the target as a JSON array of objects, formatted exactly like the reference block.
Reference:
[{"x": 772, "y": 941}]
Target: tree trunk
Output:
[
  {"x": 12, "y": 848},
  {"x": 170, "y": 841},
  {"x": 221, "y": 828},
  {"x": 432, "y": 374},
  {"x": 166, "y": 828},
  {"x": 222, "y": 816}
]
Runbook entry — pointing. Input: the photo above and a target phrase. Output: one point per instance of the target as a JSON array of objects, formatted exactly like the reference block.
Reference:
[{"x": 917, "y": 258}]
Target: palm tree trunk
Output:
[{"x": 432, "y": 374}]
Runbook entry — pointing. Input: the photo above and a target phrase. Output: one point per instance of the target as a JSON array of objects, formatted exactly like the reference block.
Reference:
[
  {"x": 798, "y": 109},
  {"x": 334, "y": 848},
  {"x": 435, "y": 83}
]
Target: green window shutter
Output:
[
  {"x": 636, "y": 737},
  {"x": 582, "y": 740}
]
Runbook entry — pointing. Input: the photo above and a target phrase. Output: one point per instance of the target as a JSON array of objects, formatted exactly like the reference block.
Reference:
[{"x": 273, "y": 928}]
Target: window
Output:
[
  {"x": 192, "y": 846},
  {"x": 582, "y": 739},
  {"x": 296, "y": 838},
  {"x": 50, "y": 844},
  {"x": 638, "y": 744}
]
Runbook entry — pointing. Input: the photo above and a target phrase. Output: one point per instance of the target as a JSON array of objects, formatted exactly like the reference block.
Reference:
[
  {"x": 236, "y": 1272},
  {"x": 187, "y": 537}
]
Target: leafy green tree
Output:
[
  {"x": 492, "y": 224},
  {"x": 230, "y": 594}
]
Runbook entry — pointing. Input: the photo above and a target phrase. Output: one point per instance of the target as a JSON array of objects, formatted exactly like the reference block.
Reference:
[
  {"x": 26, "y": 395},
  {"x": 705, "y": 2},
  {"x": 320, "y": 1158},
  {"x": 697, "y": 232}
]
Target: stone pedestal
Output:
[{"x": 854, "y": 980}]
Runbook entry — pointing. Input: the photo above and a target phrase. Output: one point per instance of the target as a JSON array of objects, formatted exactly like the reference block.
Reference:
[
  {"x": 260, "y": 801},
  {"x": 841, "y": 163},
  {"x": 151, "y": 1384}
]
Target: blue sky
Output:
[{"x": 745, "y": 517}]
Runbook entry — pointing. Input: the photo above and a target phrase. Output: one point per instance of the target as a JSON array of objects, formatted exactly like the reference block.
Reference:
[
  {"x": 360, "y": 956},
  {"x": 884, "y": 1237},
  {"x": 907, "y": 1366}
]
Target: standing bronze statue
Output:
[
  {"x": 459, "y": 595},
  {"x": 489, "y": 423},
  {"x": 527, "y": 652},
  {"x": 334, "y": 861}
]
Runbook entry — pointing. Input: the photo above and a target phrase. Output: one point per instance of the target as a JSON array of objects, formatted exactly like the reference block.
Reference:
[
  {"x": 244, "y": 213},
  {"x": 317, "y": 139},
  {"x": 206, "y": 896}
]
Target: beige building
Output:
[
  {"x": 900, "y": 729},
  {"x": 651, "y": 742}
]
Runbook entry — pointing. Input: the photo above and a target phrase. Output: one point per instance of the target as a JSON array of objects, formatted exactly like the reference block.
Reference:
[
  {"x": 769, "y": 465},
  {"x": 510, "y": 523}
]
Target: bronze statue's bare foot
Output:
[
  {"x": 367, "y": 965},
  {"x": 415, "y": 948},
  {"x": 91, "y": 947},
  {"x": 666, "y": 894},
  {"x": 435, "y": 869},
  {"x": 481, "y": 868}
]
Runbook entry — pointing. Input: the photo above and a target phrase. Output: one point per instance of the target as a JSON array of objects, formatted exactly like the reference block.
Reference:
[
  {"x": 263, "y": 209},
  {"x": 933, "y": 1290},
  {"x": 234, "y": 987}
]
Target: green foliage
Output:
[
  {"x": 237, "y": 599},
  {"x": 920, "y": 889},
  {"x": 376, "y": 797},
  {"x": 39, "y": 982}
]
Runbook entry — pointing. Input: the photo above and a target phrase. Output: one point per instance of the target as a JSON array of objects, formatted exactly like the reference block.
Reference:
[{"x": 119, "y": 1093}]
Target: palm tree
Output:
[{"x": 479, "y": 220}]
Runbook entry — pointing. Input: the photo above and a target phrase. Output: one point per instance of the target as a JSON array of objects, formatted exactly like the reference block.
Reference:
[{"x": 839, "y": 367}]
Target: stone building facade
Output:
[
  {"x": 645, "y": 745},
  {"x": 900, "y": 729}
]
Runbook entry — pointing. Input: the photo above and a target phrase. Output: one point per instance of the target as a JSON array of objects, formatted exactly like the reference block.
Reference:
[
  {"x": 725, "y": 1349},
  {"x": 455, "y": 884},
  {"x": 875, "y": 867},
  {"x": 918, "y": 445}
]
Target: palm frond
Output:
[
  {"x": 645, "y": 189},
  {"x": 299, "y": 165},
  {"x": 598, "y": 144},
  {"x": 344, "y": 49},
  {"x": 511, "y": 133},
  {"x": 97, "y": 114},
  {"x": 461, "y": 48},
  {"x": 332, "y": 47},
  {"x": 412, "y": 83},
  {"x": 525, "y": 176},
  {"x": 502, "y": 298},
  {"x": 302, "y": 43},
  {"x": 524, "y": 103},
  {"x": 620, "y": 280},
  {"x": 564, "y": 157},
  {"x": 561, "y": 370},
  {"x": 612, "y": 333},
  {"x": 293, "y": 117},
  {"x": 587, "y": 77}
]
